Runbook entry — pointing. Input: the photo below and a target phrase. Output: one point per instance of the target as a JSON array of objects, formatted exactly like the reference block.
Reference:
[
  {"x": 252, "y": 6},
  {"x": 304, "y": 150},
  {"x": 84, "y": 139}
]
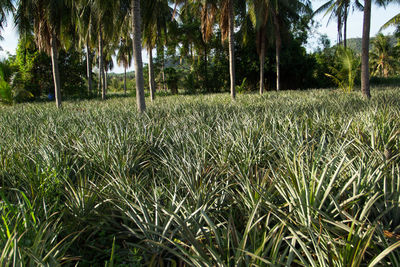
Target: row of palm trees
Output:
[
  {"x": 87, "y": 24},
  {"x": 123, "y": 25}
]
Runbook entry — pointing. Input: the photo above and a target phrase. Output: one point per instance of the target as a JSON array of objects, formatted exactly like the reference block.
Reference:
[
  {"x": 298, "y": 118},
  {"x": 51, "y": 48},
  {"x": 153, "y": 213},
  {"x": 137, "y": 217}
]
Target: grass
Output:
[{"x": 288, "y": 179}]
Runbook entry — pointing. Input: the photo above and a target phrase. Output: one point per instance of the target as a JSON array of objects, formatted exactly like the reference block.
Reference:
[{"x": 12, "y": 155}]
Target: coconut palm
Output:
[
  {"x": 149, "y": 42},
  {"x": 365, "y": 75},
  {"x": 259, "y": 15},
  {"x": 47, "y": 20},
  {"x": 283, "y": 12},
  {"x": 104, "y": 13},
  {"x": 208, "y": 12},
  {"x": 108, "y": 53},
  {"x": 227, "y": 20},
  {"x": 156, "y": 15},
  {"x": 395, "y": 21},
  {"x": 227, "y": 28},
  {"x": 6, "y": 6},
  {"x": 365, "y": 50},
  {"x": 273, "y": 17},
  {"x": 187, "y": 33},
  {"x": 137, "y": 55},
  {"x": 124, "y": 56},
  {"x": 382, "y": 56},
  {"x": 87, "y": 33},
  {"x": 339, "y": 10}
]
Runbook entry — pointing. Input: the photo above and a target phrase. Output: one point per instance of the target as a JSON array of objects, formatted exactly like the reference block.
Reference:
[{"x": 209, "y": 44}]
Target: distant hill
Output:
[{"x": 356, "y": 44}]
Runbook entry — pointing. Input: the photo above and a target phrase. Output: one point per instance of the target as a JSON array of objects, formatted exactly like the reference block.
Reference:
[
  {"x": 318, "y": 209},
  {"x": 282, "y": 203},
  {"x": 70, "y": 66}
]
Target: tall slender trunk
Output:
[
  {"x": 125, "y": 80},
  {"x": 278, "y": 44},
  {"x": 163, "y": 71},
  {"x": 151, "y": 75},
  {"x": 137, "y": 55},
  {"x": 206, "y": 68},
  {"x": 339, "y": 28},
  {"x": 101, "y": 66},
  {"x": 100, "y": 78},
  {"x": 232, "y": 49},
  {"x": 262, "y": 60},
  {"x": 345, "y": 26},
  {"x": 278, "y": 68},
  {"x": 56, "y": 74},
  {"x": 365, "y": 88},
  {"x": 106, "y": 81},
  {"x": 193, "y": 56},
  {"x": 88, "y": 68},
  {"x": 163, "y": 77}
]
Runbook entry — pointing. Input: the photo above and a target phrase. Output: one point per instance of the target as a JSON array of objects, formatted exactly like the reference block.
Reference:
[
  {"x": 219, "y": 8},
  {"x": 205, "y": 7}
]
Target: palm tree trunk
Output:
[
  {"x": 137, "y": 54},
  {"x": 100, "y": 78},
  {"x": 125, "y": 80},
  {"x": 163, "y": 77},
  {"x": 232, "y": 50},
  {"x": 193, "y": 56},
  {"x": 101, "y": 66},
  {"x": 262, "y": 61},
  {"x": 278, "y": 44},
  {"x": 151, "y": 75},
  {"x": 345, "y": 26},
  {"x": 160, "y": 54},
  {"x": 206, "y": 68},
  {"x": 106, "y": 81},
  {"x": 165, "y": 87},
  {"x": 278, "y": 68},
  {"x": 365, "y": 50},
  {"x": 339, "y": 28},
  {"x": 56, "y": 74},
  {"x": 88, "y": 68}
]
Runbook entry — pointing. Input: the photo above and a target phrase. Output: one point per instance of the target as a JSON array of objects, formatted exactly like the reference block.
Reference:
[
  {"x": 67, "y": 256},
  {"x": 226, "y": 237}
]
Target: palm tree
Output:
[
  {"x": 108, "y": 53},
  {"x": 227, "y": 29},
  {"x": 124, "y": 56},
  {"x": 259, "y": 15},
  {"x": 104, "y": 13},
  {"x": 382, "y": 56},
  {"x": 149, "y": 42},
  {"x": 208, "y": 11},
  {"x": 273, "y": 16},
  {"x": 137, "y": 55},
  {"x": 156, "y": 15},
  {"x": 47, "y": 19},
  {"x": 339, "y": 10},
  {"x": 365, "y": 50},
  {"x": 87, "y": 33},
  {"x": 282, "y": 12},
  {"x": 365, "y": 75},
  {"x": 188, "y": 34},
  {"x": 6, "y": 6},
  {"x": 395, "y": 21}
]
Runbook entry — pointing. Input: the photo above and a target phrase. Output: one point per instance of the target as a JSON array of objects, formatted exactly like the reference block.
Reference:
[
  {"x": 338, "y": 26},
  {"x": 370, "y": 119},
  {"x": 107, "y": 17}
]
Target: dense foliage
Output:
[
  {"x": 30, "y": 70},
  {"x": 188, "y": 40},
  {"x": 291, "y": 178}
]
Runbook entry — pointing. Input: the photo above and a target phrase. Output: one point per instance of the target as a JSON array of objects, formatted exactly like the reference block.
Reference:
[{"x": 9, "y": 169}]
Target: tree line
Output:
[{"x": 226, "y": 32}]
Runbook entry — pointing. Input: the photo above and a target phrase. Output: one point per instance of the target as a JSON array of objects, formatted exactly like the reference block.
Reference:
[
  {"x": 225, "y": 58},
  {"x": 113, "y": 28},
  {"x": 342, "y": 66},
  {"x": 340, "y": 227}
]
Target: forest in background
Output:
[{"x": 186, "y": 62}]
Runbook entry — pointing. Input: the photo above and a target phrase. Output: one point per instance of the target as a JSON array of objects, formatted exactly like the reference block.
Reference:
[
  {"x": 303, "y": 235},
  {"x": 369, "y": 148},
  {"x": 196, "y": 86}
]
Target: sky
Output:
[{"x": 380, "y": 15}]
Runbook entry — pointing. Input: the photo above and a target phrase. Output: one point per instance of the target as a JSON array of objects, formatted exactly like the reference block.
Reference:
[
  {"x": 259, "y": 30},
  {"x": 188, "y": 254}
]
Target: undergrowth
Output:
[{"x": 288, "y": 179}]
